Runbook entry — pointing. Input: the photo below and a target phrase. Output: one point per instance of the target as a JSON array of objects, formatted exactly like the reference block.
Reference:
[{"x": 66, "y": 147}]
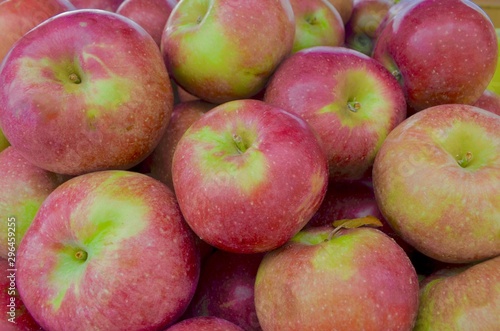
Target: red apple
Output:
[
  {"x": 108, "y": 250},
  {"x": 86, "y": 90},
  {"x": 436, "y": 180},
  {"x": 489, "y": 101},
  {"x": 152, "y": 15},
  {"x": 223, "y": 50},
  {"x": 109, "y": 5},
  {"x": 344, "y": 7},
  {"x": 351, "y": 279},
  {"x": 350, "y": 100},
  {"x": 205, "y": 324},
  {"x": 431, "y": 46},
  {"x": 248, "y": 176},
  {"x": 19, "y": 16}
]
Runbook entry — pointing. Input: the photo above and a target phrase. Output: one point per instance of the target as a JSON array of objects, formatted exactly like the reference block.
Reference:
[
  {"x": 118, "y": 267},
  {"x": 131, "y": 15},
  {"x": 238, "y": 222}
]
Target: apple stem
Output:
[
  {"x": 466, "y": 160},
  {"x": 81, "y": 255},
  {"x": 353, "y": 105},
  {"x": 397, "y": 74},
  {"x": 74, "y": 78},
  {"x": 238, "y": 141}
]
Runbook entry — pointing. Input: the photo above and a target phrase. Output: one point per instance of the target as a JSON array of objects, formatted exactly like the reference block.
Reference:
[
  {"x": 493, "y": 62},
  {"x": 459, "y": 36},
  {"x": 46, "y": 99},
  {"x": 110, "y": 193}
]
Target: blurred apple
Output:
[
  {"x": 248, "y": 176},
  {"x": 205, "y": 324},
  {"x": 225, "y": 50},
  {"x": 494, "y": 84},
  {"x": 108, "y": 250},
  {"x": 436, "y": 180},
  {"x": 350, "y": 100},
  {"x": 86, "y": 90},
  {"x": 489, "y": 101},
  {"x": 3, "y": 141},
  {"x": 431, "y": 47},
  {"x": 317, "y": 23},
  {"x": 344, "y": 7},
  {"x": 108, "y": 5}
]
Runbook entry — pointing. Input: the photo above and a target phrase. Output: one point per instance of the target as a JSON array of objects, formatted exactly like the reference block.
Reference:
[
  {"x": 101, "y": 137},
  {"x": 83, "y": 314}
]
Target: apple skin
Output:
[
  {"x": 465, "y": 298},
  {"x": 431, "y": 47},
  {"x": 344, "y": 7},
  {"x": 152, "y": 15},
  {"x": 108, "y": 250},
  {"x": 494, "y": 84},
  {"x": 248, "y": 176},
  {"x": 360, "y": 279},
  {"x": 489, "y": 101},
  {"x": 4, "y": 143},
  {"x": 19, "y": 16},
  {"x": 317, "y": 23},
  {"x": 86, "y": 90},
  {"x": 436, "y": 180},
  {"x": 226, "y": 289},
  {"x": 350, "y": 100},
  {"x": 24, "y": 188},
  {"x": 108, "y": 5},
  {"x": 223, "y": 50},
  {"x": 208, "y": 323}
]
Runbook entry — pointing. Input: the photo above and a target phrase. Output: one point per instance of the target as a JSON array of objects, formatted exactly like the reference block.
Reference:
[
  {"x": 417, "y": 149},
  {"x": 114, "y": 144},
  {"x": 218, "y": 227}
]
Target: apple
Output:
[
  {"x": 361, "y": 29},
  {"x": 248, "y": 176},
  {"x": 152, "y": 15},
  {"x": 431, "y": 47},
  {"x": 204, "y": 324},
  {"x": 226, "y": 289},
  {"x": 24, "y": 188},
  {"x": 343, "y": 279},
  {"x": 494, "y": 84},
  {"x": 351, "y": 101},
  {"x": 108, "y": 5},
  {"x": 86, "y": 90},
  {"x": 464, "y": 298},
  {"x": 317, "y": 23},
  {"x": 108, "y": 250},
  {"x": 226, "y": 50},
  {"x": 4, "y": 143},
  {"x": 436, "y": 180},
  {"x": 183, "y": 116},
  {"x": 489, "y": 101},
  {"x": 344, "y": 7},
  {"x": 19, "y": 16}
]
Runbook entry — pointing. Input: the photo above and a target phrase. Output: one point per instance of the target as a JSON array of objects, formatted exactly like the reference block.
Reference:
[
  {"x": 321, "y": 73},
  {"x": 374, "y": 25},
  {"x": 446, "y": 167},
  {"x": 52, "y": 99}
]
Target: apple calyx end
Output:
[{"x": 81, "y": 255}]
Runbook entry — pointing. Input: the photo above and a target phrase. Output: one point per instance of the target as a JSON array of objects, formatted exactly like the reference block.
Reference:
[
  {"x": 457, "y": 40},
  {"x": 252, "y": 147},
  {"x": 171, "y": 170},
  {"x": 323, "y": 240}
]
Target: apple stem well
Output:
[
  {"x": 240, "y": 145},
  {"x": 465, "y": 160},
  {"x": 353, "y": 105},
  {"x": 81, "y": 255},
  {"x": 75, "y": 78}
]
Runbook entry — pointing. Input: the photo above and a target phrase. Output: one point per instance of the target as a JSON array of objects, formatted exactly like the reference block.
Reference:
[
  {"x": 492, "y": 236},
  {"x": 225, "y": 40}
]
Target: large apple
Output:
[
  {"x": 19, "y": 16},
  {"x": 431, "y": 46},
  {"x": 208, "y": 323},
  {"x": 350, "y": 100},
  {"x": 108, "y": 250},
  {"x": 347, "y": 279},
  {"x": 86, "y": 90},
  {"x": 248, "y": 176},
  {"x": 108, "y": 5},
  {"x": 436, "y": 180},
  {"x": 465, "y": 298},
  {"x": 222, "y": 50},
  {"x": 317, "y": 23}
]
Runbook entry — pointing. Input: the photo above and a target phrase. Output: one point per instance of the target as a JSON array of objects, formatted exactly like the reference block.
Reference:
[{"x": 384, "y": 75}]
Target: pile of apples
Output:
[{"x": 231, "y": 165}]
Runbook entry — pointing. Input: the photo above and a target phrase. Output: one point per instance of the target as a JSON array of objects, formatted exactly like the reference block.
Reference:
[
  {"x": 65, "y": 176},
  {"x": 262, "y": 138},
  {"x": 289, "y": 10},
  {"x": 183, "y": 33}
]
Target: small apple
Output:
[
  {"x": 209, "y": 323},
  {"x": 343, "y": 279},
  {"x": 108, "y": 250},
  {"x": 317, "y": 23},
  {"x": 86, "y": 90},
  {"x": 431, "y": 47},
  {"x": 248, "y": 176},
  {"x": 494, "y": 84},
  {"x": 350, "y": 100},
  {"x": 223, "y": 50},
  {"x": 344, "y": 7},
  {"x": 436, "y": 180},
  {"x": 489, "y": 101},
  {"x": 108, "y": 5}
]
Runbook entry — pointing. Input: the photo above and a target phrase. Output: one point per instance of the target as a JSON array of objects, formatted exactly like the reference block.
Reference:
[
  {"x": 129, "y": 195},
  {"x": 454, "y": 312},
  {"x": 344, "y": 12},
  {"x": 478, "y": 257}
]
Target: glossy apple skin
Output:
[
  {"x": 152, "y": 15},
  {"x": 226, "y": 289},
  {"x": 223, "y": 50},
  {"x": 431, "y": 47},
  {"x": 344, "y": 7},
  {"x": 137, "y": 251},
  {"x": 319, "y": 83},
  {"x": 24, "y": 188},
  {"x": 111, "y": 118},
  {"x": 360, "y": 279},
  {"x": 465, "y": 298},
  {"x": 489, "y": 101},
  {"x": 436, "y": 180},
  {"x": 251, "y": 196},
  {"x": 317, "y": 23},
  {"x": 205, "y": 324},
  {"x": 19, "y": 16},
  {"x": 108, "y": 5}
]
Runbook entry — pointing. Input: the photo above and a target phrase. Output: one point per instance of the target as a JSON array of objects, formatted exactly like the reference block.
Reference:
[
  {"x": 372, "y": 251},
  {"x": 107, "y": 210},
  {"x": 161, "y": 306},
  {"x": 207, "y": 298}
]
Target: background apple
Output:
[
  {"x": 431, "y": 47},
  {"x": 226, "y": 50},
  {"x": 317, "y": 23},
  {"x": 489, "y": 101},
  {"x": 205, "y": 324},
  {"x": 463, "y": 298},
  {"x": 86, "y": 90},
  {"x": 19, "y": 16},
  {"x": 108, "y": 5},
  {"x": 344, "y": 7},
  {"x": 494, "y": 84},
  {"x": 3, "y": 141},
  {"x": 248, "y": 176},
  {"x": 350, "y": 100},
  {"x": 353, "y": 279},
  {"x": 108, "y": 250},
  {"x": 152, "y": 15},
  {"x": 436, "y": 180}
]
